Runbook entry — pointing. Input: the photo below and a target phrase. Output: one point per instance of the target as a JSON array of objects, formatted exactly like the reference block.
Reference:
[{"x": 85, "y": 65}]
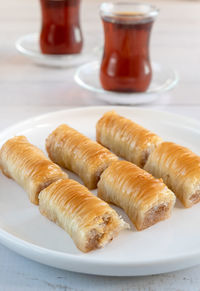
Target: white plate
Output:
[
  {"x": 164, "y": 79},
  {"x": 167, "y": 246},
  {"x": 28, "y": 45}
]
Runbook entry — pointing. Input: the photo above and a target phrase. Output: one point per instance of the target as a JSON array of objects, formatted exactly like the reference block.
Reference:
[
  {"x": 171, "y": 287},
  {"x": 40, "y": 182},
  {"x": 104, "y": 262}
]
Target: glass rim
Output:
[{"x": 108, "y": 9}]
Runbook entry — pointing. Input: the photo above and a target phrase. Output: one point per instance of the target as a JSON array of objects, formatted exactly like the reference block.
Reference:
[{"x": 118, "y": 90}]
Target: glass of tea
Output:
[
  {"x": 60, "y": 31},
  {"x": 126, "y": 65}
]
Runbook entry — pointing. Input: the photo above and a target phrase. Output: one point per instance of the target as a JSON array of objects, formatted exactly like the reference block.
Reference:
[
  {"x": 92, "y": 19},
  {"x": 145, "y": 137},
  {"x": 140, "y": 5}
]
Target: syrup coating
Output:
[
  {"x": 76, "y": 152},
  {"x": 28, "y": 166},
  {"x": 180, "y": 170},
  {"x": 126, "y": 138},
  {"x": 146, "y": 200},
  {"x": 90, "y": 222}
]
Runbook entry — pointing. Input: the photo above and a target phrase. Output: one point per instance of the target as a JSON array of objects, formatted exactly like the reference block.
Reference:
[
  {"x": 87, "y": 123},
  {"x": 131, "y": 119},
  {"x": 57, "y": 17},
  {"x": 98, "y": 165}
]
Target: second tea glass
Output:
[
  {"x": 60, "y": 31},
  {"x": 126, "y": 65}
]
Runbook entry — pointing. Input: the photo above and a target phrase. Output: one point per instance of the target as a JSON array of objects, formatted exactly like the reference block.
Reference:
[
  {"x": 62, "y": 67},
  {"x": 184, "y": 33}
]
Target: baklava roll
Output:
[
  {"x": 146, "y": 200},
  {"x": 28, "y": 166},
  {"x": 79, "y": 154},
  {"x": 180, "y": 170},
  {"x": 90, "y": 222},
  {"x": 126, "y": 138}
]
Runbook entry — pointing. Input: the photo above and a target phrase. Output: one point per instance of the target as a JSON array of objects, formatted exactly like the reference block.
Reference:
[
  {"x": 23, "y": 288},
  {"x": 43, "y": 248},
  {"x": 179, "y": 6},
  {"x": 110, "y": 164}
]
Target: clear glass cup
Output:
[
  {"x": 60, "y": 31},
  {"x": 126, "y": 65}
]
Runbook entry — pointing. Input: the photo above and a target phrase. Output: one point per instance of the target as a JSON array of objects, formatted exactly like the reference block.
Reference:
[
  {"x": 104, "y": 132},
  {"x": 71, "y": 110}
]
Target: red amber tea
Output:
[
  {"x": 126, "y": 64},
  {"x": 60, "y": 31}
]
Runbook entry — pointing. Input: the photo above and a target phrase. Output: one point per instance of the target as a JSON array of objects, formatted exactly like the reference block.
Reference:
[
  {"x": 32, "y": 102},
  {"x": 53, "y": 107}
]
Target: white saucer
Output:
[
  {"x": 164, "y": 79},
  {"x": 28, "y": 45}
]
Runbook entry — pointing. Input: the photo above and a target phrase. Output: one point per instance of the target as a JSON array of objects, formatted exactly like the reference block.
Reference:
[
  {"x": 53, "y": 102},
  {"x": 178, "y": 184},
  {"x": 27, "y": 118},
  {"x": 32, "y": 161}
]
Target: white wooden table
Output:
[{"x": 27, "y": 90}]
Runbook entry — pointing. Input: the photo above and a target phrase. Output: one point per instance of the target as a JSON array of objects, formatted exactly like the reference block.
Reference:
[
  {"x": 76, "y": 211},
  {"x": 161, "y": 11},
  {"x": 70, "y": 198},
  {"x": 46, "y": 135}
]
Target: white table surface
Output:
[{"x": 27, "y": 90}]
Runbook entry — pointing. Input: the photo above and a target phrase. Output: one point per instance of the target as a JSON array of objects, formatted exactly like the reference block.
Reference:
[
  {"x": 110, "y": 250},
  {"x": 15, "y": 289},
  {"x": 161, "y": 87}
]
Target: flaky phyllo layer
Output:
[
  {"x": 90, "y": 222},
  {"x": 126, "y": 138},
  {"x": 76, "y": 152},
  {"x": 28, "y": 166},
  {"x": 180, "y": 170},
  {"x": 146, "y": 200}
]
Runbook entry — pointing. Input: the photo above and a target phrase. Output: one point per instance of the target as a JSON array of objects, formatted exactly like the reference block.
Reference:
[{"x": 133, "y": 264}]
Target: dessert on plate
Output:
[
  {"x": 126, "y": 138},
  {"x": 146, "y": 200},
  {"x": 28, "y": 166},
  {"x": 180, "y": 170},
  {"x": 90, "y": 222},
  {"x": 72, "y": 150}
]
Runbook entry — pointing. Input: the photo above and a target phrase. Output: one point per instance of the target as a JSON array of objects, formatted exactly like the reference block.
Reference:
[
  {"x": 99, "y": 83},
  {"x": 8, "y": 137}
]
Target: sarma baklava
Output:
[
  {"x": 126, "y": 138},
  {"x": 28, "y": 166},
  {"x": 72, "y": 150},
  {"x": 90, "y": 222},
  {"x": 180, "y": 170},
  {"x": 146, "y": 200}
]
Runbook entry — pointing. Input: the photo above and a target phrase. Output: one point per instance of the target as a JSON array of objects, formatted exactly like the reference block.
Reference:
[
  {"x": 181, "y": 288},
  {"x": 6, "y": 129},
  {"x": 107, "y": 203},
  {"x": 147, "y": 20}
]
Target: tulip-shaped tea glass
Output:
[
  {"x": 60, "y": 31},
  {"x": 126, "y": 65}
]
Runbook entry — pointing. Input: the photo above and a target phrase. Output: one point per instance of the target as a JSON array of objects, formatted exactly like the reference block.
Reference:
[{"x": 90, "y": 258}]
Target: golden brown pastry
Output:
[
  {"x": 76, "y": 152},
  {"x": 126, "y": 138},
  {"x": 28, "y": 166},
  {"x": 146, "y": 200},
  {"x": 90, "y": 222},
  {"x": 180, "y": 170}
]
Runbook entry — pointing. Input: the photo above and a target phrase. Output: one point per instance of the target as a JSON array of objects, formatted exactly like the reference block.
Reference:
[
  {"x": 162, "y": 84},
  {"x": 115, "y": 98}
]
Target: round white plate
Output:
[
  {"x": 167, "y": 246},
  {"x": 28, "y": 45},
  {"x": 164, "y": 79}
]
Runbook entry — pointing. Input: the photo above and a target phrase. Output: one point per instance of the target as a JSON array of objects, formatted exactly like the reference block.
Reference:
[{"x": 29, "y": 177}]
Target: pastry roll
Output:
[
  {"x": 180, "y": 170},
  {"x": 28, "y": 166},
  {"x": 146, "y": 200},
  {"x": 90, "y": 222},
  {"x": 76, "y": 152},
  {"x": 126, "y": 138}
]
